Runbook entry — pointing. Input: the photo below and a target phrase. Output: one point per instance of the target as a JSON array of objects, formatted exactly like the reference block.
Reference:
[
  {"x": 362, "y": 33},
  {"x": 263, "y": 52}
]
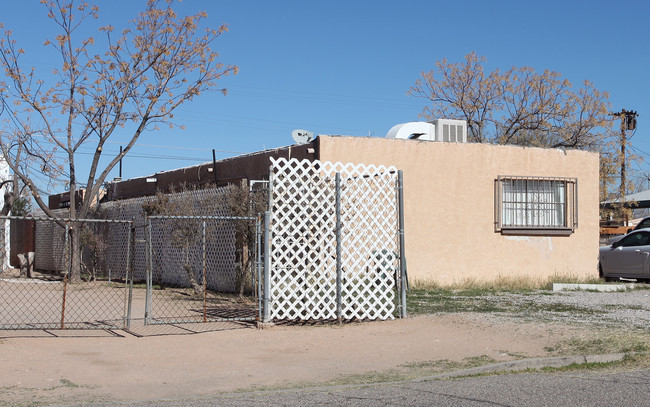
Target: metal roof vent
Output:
[{"x": 448, "y": 130}]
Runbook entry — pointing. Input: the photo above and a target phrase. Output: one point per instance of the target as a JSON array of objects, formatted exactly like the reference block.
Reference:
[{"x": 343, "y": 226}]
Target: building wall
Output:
[
  {"x": 254, "y": 166},
  {"x": 450, "y": 204}
]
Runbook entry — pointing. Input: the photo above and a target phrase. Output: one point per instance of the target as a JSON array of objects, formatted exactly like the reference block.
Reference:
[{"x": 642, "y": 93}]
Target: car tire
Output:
[{"x": 601, "y": 274}]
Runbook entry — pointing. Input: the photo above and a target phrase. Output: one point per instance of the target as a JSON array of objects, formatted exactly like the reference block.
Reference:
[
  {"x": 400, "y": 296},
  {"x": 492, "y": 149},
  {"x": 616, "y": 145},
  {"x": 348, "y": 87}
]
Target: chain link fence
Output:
[
  {"x": 194, "y": 261},
  {"x": 332, "y": 249},
  {"x": 80, "y": 274},
  {"x": 75, "y": 277},
  {"x": 125, "y": 268}
]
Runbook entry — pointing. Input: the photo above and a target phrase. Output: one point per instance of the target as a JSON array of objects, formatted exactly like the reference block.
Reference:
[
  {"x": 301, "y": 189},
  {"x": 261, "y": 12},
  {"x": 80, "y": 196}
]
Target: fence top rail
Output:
[
  {"x": 203, "y": 217},
  {"x": 65, "y": 220}
]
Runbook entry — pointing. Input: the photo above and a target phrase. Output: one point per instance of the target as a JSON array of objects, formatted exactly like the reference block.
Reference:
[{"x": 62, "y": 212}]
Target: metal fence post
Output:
[
  {"x": 258, "y": 248},
  {"x": 3, "y": 237},
  {"x": 84, "y": 298},
  {"x": 68, "y": 266},
  {"x": 130, "y": 260},
  {"x": 148, "y": 268},
  {"x": 402, "y": 249},
  {"x": 205, "y": 275},
  {"x": 270, "y": 197},
  {"x": 266, "y": 314},
  {"x": 267, "y": 266},
  {"x": 339, "y": 300}
]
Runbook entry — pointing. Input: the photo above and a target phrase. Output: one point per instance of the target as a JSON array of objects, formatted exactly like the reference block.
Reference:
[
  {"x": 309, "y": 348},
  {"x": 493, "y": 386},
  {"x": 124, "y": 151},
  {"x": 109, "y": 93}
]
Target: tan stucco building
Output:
[
  {"x": 453, "y": 203},
  {"x": 464, "y": 202}
]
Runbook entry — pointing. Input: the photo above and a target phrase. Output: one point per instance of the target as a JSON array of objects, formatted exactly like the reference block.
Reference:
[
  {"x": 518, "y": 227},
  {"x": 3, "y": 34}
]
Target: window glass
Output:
[
  {"x": 636, "y": 239},
  {"x": 536, "y": 205}
]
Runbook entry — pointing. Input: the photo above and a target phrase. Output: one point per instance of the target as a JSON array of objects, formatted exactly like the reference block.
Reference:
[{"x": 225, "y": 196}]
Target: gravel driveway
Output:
[{"x": 630, "y": 308}]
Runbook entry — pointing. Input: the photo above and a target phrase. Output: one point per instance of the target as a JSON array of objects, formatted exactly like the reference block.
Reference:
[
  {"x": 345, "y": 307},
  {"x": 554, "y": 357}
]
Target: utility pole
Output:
[{"x": 628, "y": 122}]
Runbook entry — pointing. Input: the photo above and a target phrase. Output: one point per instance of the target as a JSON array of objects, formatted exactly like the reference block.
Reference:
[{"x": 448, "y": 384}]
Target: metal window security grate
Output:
[
  {"x": 319, "y": 271},
  {"x": 536, "y": 203}
]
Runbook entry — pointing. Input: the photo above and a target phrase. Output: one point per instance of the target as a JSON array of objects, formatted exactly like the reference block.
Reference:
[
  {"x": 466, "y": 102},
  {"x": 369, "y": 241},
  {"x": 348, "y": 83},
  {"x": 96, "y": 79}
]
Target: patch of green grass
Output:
[
  {"x": 603, "y": 343},
  {"x": 392, "y": 375},
  {"x": 448, "y": 301},
  {"x": 411, "y": 371},
  {"x": 637, "y": 361},
  {"x": 573, "y": 279},
  {"x": 511, "y": 283},
  {"x": 22, "y": 403},
  {"x": 628, "y": 307},
  {"x": 557, "y": 308},
  {"x": 454, "y": 301},
  {"x": 68, "y": 383},
  {"x": 439, "y": 365},
  {"x": 475, "y": 361},
  {"x": 405, "y": 372},
  {"x": 16, "y": 396},
  {"x": 507, "y": 283}
]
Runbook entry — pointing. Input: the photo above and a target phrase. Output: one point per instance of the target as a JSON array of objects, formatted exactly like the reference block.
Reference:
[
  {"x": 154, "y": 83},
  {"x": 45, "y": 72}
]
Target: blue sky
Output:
[{"x": 344, "y": 67}]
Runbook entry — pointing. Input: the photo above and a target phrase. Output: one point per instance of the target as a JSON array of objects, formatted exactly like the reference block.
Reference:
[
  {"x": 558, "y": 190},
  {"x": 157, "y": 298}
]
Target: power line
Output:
[
  {"x": 49, "y": 141},
  {"x": 321, "y": 96}
]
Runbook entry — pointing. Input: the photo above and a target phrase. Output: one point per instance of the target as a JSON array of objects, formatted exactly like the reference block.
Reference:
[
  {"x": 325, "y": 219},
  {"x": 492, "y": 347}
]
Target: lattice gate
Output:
[{"x": 335, "y": 246}]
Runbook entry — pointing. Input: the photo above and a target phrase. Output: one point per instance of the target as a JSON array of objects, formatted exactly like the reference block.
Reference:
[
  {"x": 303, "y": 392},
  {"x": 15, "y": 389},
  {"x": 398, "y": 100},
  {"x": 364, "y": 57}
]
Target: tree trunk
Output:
[
  {"x": 6, "y": 209},
  {"x": 74, "y": 256},
  {"x": 243, "y": 269},
  {"x": 198, "y": 290},
  {"x": 26, "y": 264},
  {"x": 10, "y": 197}
]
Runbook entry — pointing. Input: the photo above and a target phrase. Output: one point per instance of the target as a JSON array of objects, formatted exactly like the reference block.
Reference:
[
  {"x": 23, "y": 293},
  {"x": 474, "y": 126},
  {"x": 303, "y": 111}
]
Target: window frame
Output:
[{"x": 528, "y": 210}]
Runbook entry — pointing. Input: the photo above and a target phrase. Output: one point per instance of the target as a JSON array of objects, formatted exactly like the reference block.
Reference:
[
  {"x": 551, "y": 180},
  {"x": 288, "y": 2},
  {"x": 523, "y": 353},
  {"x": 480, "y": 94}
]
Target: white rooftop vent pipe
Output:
[
  {"x": 413, "y": 130},
  {"x": 449, "y": 130}
]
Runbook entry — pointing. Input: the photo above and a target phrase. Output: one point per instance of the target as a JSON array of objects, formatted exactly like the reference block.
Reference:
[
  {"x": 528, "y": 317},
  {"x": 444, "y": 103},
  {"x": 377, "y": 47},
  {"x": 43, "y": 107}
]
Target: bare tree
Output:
[
  {"x": 92, "y": 241},
  {"x": 21, "y": 148},
  {"x": 182, "y": 233},
  {"x": 241, "y": 202},
  {"x": 131, "y": 81},
  {"x": 517, "y": 106},
  {"x": 235, "y": 200}
]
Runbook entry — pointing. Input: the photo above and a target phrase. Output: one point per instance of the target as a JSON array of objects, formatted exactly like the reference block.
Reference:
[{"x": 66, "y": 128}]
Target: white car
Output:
[{"x": 626, "y": 258}]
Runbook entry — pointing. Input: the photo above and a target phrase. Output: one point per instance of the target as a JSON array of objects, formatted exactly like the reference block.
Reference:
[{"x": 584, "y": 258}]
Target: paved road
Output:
[{"x": 527, "y": 389}]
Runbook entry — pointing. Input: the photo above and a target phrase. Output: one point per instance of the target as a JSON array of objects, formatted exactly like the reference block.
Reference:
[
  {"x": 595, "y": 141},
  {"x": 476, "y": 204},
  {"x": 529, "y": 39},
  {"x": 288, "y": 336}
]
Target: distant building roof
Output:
[{"x": 636, "y": 200}]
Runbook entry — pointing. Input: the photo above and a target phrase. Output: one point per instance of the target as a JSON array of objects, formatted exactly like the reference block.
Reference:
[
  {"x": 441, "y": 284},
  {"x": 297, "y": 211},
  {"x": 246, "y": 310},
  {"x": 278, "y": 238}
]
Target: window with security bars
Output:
[{"x": 536, "y": 205}]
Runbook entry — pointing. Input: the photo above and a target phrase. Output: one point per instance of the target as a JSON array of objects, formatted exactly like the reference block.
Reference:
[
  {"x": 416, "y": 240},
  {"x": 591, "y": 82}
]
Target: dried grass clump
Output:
[{"x": 504, "y": 283}]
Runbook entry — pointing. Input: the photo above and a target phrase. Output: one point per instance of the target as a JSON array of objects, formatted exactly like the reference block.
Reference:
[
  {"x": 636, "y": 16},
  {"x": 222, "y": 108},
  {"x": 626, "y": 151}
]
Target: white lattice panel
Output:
[{"x": 303, "y": 249}]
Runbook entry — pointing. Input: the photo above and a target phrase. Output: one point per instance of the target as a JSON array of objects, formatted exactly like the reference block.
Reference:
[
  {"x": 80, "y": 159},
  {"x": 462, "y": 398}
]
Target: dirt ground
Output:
[{"x": 101, "y": 367}]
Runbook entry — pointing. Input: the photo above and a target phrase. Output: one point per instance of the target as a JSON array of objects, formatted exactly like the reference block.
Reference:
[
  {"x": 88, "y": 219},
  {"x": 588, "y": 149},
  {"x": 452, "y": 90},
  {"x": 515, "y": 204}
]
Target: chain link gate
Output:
[
  {"x": 75, "y": 274},
  {"x": 194, "y": 264},
  {"x": 336, "y": 242}
]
